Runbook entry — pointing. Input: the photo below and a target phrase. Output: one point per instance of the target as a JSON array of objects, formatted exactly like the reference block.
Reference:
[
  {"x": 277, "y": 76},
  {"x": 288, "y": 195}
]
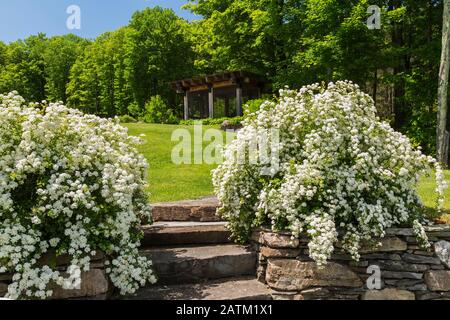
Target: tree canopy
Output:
[{"x": 290, "y": 42}]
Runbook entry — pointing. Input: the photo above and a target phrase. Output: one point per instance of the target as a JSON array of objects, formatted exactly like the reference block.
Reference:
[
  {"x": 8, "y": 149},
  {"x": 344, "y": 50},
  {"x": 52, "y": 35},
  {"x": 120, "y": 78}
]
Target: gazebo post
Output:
[
  {"x": 239, "y": 100},
  {"x": 211, "y": 101},
  {"x": 186, "y": 105}
]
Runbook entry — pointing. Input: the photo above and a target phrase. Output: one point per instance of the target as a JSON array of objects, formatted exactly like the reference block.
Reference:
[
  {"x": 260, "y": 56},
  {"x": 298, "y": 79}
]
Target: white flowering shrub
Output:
[
  {"x": 342, "y": 171},
  {"x": 70, "y": 184}
]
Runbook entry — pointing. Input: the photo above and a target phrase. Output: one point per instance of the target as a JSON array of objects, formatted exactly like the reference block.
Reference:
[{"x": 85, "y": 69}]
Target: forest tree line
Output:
[{"x": 291, "y": 42}]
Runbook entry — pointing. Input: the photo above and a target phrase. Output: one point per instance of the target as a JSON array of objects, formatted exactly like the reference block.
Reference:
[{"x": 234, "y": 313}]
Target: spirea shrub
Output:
[
  {"x": 70, "y": 184},
  {"x": 343, "y": 176}
]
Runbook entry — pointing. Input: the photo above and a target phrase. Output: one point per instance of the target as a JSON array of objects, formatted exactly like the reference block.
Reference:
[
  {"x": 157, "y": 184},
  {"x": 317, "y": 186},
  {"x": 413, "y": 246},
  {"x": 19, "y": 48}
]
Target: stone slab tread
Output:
[
  {"x": 245, "y": 288},
  {"x": 185, "y": 233},
  {"x": 195, "y": 264}
]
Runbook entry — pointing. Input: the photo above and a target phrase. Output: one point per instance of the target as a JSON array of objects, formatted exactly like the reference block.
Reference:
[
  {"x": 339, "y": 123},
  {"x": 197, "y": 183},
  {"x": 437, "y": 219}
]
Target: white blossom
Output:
[
  {"x": 340, "y": 168},
  {"x": 73, "y": 184}
]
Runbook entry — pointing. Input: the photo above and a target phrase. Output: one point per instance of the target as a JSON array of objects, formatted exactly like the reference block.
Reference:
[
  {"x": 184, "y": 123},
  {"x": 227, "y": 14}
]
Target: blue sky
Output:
[{"x": 21, "y": 18}]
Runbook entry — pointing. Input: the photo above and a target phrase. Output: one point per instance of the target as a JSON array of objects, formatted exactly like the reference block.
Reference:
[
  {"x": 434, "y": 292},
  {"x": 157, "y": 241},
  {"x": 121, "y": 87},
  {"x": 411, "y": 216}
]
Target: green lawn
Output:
[
  {"x": 426, "y": 189},
  {"x": 170, "y": 182}
]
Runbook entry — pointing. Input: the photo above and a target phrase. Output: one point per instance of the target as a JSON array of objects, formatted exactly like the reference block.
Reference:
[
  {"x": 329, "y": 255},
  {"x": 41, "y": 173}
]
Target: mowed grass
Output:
[
  {"x": 171, "y": 182},
  {"x": 168, "y": 181},
  {"x": 427, "y": 192}
]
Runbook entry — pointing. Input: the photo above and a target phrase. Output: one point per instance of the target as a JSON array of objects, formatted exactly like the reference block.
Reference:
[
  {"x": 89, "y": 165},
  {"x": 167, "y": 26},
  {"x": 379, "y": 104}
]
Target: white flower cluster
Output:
[
  {"x": 69, "y": 184},
  {"x": 341, "y": 169}
]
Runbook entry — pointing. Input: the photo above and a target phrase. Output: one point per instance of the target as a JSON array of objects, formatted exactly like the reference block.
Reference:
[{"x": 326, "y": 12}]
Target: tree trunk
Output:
[{"x": 442, "y": 135}]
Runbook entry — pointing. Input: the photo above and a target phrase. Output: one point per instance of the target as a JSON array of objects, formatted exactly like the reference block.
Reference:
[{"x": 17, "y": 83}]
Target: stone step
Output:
[
  {"x": 245, "y": 288},
  {"x": 201, "y": 263},
  {"x": 201, "y": 210},
  {"x": 185, "y": 233}
]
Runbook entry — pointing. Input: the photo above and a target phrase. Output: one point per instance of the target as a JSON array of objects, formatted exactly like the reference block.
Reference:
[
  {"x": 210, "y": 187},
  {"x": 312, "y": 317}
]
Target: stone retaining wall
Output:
[
  {"x": 407, "y": 271},
  {"x": 94, "y": 283}
]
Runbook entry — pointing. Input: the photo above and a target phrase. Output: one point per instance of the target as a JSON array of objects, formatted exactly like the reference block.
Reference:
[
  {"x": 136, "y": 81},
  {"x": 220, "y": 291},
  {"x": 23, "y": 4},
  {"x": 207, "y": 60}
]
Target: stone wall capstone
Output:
[{"x": 407, "y": 272}]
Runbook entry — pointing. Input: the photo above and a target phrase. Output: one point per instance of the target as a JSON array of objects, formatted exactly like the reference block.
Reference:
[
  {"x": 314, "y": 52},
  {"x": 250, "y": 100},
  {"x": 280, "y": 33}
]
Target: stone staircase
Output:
[{"x": 194, "y": 258}]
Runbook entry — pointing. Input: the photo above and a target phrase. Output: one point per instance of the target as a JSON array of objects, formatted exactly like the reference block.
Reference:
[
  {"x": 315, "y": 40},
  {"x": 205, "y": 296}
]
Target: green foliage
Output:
[
  {"x": 296, "y": 43},
  {"x": 157, "y": 111},
  {"x": 60, "y": 55},
  {"x": 158, "y": 51},
  {"x": 98, "y": 80},
  {"x": 213, "y": 121},
  {"x": 124, "y": 68},
  {"x": 24, "y": 68},
  {"x": 127, "y": 119},
  {"x": 290, "y": 42},
  {"x": 253, "y": 106},
  {"x": 134, "y": 110}
]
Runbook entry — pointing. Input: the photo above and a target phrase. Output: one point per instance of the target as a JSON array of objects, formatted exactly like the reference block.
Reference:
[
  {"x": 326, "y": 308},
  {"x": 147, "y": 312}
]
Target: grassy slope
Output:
[{"x": 169, "y": 182}]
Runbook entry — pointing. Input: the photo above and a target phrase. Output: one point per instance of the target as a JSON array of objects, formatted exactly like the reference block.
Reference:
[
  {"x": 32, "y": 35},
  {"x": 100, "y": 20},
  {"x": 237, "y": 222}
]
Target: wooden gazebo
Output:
[{"x": 218, "y": 95}]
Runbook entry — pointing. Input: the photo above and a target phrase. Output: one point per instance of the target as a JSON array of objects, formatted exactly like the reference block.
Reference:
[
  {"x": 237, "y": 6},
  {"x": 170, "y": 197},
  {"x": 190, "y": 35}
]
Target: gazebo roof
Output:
[{"x": 233, "y": 76}]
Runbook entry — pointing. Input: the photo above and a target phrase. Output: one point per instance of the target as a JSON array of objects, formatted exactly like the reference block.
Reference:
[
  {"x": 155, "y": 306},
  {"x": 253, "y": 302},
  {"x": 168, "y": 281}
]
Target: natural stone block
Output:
[
  {"x": 400, "y": 232},
  {"x": 310, "y": 294},
  {"x": 93, "y": 283},
  {"x": 294, "y": 275},
  {"x": 405, "y": 282},
  {"x": 343, "y": 257},
  {"x": 390, "y": 265},
  {"x": 423, "y": 253},
  {"x": 414, "y": 258},
  {"x": 256, "y": 236},
  {"x": 418, "y": 287},
  {"x": 413, "y": 240},
  {"x": 438, "y": 231},
  {"x": 315, "y": 294},
  {"x": 261, "y": 274},
  {"x": 51, "y": 259},
  {"x": 401, "y": 275},
  {"x": 276, "y": 240},
  {"x": 381, "y": 256},
  {"x": 359, "y": 264},
  {"x": 3, "y": 289},
  {"x": 429, "y": 296},
  {"x": 388, "y": 244},
  {"x": 6, "y": 277},
  {"x": 286, "y": 296},
  {"x": 338, "y": 296},
  {"x": 442, "y": 249},
  {"x": 202, "y": 210},
  {"x": 438, "y": 280},
  {"x": 439, "y": 228},
  {"x": 410, "y": 285},
  {"x": 280, "y": 253},
  {"x": 388, "y": 294}
]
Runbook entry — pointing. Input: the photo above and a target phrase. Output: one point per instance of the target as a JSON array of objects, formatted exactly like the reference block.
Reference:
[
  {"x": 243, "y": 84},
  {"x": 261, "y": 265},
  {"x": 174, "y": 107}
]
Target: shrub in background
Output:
[
  {"x": 134, "y": 110},
  {"x": 127, "y": 119},
  {"x": 213, "y": 121},
  {"x": 253, "y": 106},
  {"x": 157, "y": 111},
  {"x": 73, "y": 184},
  {"x": 340, "y": 168}
]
